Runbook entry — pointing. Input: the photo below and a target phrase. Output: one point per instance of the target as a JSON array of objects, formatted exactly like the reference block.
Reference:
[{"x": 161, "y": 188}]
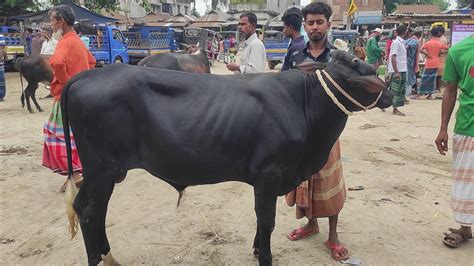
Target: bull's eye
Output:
[{"x": 355, "y": 61}]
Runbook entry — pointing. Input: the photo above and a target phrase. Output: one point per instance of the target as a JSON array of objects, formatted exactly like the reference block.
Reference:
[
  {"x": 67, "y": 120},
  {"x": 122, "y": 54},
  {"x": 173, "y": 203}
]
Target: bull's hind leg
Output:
[
  {"x": 27, "y": 98},
  {"x": 91, "y": 207},
  {"x": 33, "y": 97},
  {"x": 265, "y": 206}
]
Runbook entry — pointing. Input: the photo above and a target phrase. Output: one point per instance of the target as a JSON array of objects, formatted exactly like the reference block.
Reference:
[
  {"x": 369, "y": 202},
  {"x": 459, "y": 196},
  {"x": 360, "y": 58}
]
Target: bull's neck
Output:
[{"x": 322, "y": 114}]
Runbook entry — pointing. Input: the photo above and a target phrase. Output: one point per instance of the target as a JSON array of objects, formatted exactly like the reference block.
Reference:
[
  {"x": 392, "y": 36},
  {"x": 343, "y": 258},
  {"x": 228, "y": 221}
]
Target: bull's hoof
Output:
[
  {"x": 256, "y": 252},
  {"x": 31, "y": 111},
  {"x": 40, "y": 110}
]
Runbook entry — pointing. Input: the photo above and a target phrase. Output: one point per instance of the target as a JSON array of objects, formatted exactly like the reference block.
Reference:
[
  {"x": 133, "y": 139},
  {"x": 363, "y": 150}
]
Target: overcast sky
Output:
[{"x": 201, "y": 5}]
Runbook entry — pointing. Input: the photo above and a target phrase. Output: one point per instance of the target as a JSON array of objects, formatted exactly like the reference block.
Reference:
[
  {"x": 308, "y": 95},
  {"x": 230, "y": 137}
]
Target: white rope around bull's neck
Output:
[
  {"x": 354, "y": 101},
  {"x": 331, "y": 95}
]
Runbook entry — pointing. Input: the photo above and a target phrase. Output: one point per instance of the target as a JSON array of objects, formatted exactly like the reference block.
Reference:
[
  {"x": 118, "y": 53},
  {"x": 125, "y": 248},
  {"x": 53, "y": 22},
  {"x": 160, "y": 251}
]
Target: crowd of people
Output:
[
  {"x": 323, "y": 195},
  {"x": 405, "y": 50}
]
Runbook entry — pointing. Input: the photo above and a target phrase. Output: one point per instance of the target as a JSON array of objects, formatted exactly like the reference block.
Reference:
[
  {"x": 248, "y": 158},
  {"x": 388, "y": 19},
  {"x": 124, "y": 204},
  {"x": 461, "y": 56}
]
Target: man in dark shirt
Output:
[
  {"x": 324, "y": 194},
  {"x": 292, "y": 21},
  {"x": 318, "y": 48}
]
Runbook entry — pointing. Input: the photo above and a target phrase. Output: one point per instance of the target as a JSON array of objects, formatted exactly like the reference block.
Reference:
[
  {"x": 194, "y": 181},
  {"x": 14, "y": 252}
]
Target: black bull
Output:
[{"x": 272, "y": 131}]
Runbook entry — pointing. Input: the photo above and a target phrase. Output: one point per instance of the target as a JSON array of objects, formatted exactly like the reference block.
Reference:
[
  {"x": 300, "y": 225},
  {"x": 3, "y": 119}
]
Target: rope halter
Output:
[{"x": 335, "y": 100}]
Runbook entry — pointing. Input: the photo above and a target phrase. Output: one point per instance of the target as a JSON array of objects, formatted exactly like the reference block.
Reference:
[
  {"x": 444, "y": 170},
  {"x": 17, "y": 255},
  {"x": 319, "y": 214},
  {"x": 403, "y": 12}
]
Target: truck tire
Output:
[{"x": 272, "y": 64}]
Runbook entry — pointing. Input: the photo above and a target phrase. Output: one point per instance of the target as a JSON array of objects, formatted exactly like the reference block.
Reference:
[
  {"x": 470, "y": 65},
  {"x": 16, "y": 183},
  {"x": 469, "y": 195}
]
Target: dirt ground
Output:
[{"x": 398, "y": 218}]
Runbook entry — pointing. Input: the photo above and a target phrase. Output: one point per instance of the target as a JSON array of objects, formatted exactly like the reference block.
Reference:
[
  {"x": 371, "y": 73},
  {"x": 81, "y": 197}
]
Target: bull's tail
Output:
[{"x": 71, "y": 189}]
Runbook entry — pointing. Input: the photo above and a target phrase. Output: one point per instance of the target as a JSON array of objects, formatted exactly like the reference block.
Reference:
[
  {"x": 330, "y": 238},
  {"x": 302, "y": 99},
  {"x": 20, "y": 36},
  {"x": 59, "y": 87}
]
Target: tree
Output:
[
  {"x": 390, "y": 5},
  {"x": 16, "y": 7}
]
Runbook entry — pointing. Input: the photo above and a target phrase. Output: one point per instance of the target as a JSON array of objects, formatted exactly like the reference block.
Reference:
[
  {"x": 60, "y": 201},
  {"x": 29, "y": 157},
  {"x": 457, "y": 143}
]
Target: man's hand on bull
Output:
[{"x": 233, "y": 67}]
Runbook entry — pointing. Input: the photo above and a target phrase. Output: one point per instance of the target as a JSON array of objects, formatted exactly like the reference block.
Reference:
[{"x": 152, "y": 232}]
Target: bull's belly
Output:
[{"x": 193, "y": 165}]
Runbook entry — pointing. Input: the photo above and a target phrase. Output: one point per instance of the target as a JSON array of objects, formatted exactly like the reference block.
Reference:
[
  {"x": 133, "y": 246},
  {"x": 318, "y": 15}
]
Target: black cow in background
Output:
[
  {"x": 271, "y": 131},
  {"x": 191, "y": 59},
  {"x": 34, "y": 69}
]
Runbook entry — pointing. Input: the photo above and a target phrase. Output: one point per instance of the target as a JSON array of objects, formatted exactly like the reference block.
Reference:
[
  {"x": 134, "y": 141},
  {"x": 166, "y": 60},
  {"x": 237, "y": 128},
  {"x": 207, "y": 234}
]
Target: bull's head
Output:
[{"x": 356, "y": 77}]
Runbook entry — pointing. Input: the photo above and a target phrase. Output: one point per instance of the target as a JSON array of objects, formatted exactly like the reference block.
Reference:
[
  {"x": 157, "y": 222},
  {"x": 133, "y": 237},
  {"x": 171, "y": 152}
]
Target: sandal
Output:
[
  {"x": 337, "y": 249},
  {"x": 457, "y": 236},
  {"x": 301, "y": 233}
]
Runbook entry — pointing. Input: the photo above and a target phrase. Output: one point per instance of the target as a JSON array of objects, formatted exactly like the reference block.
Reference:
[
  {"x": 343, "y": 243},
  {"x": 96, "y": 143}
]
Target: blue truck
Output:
[
  {"x": 108, "y": 46},
  {"x": 148, "y": 40},
  {"x": 14, "y": 45},
  {"x": 276, "y": 45}
]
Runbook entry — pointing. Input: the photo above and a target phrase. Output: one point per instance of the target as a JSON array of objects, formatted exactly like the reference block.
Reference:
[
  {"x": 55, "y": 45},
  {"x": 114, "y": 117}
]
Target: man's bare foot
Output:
[{"x": 397, "y": 112}]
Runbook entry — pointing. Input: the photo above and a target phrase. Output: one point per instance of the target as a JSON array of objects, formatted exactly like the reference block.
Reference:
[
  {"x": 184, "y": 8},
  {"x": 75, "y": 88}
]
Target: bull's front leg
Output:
[{"x": 265, "y": 206}]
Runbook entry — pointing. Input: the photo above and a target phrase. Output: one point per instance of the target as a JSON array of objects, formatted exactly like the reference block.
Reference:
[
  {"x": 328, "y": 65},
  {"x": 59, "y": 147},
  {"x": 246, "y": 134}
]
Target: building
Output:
[
  {"x": 264, "y": 9},
  {"x": 369, "y": 12},
  {"x": 134, "y": 8}
]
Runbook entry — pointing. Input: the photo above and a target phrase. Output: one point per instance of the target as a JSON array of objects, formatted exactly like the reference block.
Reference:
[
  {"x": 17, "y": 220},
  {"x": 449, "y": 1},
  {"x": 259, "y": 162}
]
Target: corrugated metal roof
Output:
[
  {"x": 181, "y": 18},
  {"x": 167, "y": 24},
  {"x": 206, "y": 24},
  {"x": 213, "y": 16},
  {"x": 438, "y": 15},
  {"x": 418, "y": 9},
  {"x": 153, "y": 17},
  {"x": 122, "y": 18}
]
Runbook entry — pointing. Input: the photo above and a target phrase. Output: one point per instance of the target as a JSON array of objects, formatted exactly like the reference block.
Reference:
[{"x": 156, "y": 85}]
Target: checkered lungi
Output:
[
  {"x": 398, "y": 88},
  {"x": 462, "y": 194},
  {"x": 54, "y": 149},
  {"x": 428, "y": 81}
]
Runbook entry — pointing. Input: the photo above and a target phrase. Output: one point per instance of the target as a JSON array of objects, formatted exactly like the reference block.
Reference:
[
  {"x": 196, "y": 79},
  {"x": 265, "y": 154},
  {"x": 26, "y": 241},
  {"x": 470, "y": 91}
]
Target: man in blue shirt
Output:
[{"x": 292, "y": 21}]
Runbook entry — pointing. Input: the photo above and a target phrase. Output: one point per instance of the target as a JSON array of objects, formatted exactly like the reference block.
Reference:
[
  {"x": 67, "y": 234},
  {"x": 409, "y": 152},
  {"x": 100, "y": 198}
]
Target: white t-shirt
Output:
[
  {"x": 48, "y": 47},
  {"x": 254, "y": 57}
]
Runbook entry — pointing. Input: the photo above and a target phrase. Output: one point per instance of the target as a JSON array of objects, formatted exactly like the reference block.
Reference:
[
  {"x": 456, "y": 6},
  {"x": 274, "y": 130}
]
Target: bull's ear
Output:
[
  {"x": 311, "y": 67},
  {"x": 197, "y": 44}
]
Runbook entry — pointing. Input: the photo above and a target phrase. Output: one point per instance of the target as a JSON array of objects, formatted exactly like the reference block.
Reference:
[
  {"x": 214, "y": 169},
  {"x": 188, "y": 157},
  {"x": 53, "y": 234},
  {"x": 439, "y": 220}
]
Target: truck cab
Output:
[
  {"x": 14, "y": 44},
  {"x": 108, "y": 46}
]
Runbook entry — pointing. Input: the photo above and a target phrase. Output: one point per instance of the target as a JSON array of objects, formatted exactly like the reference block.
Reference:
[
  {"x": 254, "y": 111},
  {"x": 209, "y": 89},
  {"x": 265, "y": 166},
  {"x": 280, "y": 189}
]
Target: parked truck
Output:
[
  {"x": 14, "y": 45},
  {"x": 276, "y": 45},
  {"x": 108, "y": 46},
  {"x": 147, "y": 40}
]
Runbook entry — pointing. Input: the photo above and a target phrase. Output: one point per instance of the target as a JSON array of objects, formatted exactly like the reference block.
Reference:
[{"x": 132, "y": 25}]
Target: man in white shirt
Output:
[
  {"x": 397, "y": 68},
  {"x": 49, "y": 44},
  {"x": 253, "y": 58}
]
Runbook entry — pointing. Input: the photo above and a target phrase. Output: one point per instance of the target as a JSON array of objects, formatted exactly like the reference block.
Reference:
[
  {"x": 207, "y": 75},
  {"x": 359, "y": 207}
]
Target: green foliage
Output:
[
  {"x": 16, "y": 7},
  {"x": 391, "y": 7}
]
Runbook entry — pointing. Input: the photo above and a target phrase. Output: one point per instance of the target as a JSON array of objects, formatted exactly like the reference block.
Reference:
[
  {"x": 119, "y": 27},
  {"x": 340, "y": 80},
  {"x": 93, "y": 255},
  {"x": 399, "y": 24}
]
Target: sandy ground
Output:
[{"x": 398, "y": 219}]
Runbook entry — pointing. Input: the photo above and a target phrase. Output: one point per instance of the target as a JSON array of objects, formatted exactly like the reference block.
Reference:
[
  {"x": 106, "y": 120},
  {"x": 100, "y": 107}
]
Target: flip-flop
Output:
[
  {"x": 456, "y": 235},
  {"x": 336, "y": 249},
  {"x": 301, "y": 233}
]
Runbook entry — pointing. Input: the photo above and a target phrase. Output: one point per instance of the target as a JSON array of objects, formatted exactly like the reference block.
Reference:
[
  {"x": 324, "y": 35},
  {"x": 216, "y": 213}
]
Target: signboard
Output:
[
  {"x": 368, "y": 17},
  {"x": 461, "y": 31}
]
